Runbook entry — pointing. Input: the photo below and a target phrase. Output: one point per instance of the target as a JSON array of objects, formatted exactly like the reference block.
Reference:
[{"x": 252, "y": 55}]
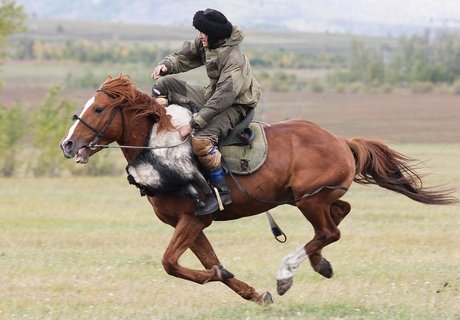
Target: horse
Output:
[{"x": 306, "y": 161}]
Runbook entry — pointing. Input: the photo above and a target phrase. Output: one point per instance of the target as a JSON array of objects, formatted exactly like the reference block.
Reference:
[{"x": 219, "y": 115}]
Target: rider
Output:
[{"x": 217, "y": 108}]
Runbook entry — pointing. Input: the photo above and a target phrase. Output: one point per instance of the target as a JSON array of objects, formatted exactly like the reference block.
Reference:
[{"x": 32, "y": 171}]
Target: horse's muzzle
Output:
[{"x": 67, "y": 147}]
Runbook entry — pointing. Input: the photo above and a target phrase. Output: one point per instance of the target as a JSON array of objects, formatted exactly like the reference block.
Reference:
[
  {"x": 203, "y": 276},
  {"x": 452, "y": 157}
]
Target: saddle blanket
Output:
[{"x": 244, "y": 160}]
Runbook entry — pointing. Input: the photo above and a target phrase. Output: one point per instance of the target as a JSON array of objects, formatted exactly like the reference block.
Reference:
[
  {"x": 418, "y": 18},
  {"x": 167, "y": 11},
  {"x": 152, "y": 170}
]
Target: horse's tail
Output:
[{"x": 378, "y": 164}]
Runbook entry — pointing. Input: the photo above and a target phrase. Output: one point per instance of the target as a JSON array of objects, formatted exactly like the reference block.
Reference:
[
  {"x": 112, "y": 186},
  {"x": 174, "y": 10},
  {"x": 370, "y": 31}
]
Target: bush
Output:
[
  {"x": 12, "y": 129},
  {"x": 340, "y": 88},
  {"x": 355, "y": 87},
  {"x": 422, "y": 87},
  {"x": 387, "y": 88},
  {"x": 456, "y": 87},
  {"x": 50, "y": 122},
  {"x": 316, "y": 86}
]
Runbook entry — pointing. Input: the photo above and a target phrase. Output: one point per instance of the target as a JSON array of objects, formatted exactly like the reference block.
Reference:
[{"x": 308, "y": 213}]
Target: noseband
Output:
[{"x": 99, "y": 133}]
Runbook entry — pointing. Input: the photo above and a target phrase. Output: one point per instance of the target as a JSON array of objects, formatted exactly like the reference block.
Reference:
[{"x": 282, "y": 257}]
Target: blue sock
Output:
[{"x": 217, "y": 174}]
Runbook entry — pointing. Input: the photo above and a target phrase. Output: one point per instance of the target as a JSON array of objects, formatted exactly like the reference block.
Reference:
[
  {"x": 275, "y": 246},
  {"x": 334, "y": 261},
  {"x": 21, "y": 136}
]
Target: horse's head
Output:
[{"x": 100, "y": 122}]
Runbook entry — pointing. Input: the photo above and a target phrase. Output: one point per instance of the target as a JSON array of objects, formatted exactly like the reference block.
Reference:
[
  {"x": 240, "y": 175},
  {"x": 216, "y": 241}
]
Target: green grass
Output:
[{"x": 91, "y": 248}]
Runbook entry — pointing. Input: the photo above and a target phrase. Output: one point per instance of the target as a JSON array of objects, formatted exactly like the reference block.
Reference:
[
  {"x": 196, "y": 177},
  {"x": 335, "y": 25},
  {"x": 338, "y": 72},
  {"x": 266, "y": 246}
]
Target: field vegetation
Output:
[
  {"x": 91, "y": 248},
  {"x": 77, "y": 242}
]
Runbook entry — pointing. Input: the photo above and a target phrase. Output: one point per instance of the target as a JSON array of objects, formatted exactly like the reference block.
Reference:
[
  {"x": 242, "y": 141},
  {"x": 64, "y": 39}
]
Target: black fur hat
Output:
[{"x": 212, "y": 23}]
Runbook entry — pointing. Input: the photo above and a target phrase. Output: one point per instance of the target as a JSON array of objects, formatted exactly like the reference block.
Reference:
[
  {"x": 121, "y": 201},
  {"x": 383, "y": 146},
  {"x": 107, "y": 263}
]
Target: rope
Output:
[{"x": 108, "y": 146}]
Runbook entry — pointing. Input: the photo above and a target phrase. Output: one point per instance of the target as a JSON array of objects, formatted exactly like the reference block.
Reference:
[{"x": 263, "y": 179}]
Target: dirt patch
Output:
[{"x": 397, "y": 117}]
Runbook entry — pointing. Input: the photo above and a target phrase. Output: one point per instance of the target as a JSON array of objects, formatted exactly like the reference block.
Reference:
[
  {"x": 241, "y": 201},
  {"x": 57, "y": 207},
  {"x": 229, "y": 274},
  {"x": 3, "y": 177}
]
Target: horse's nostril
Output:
[{"x": 67, "y": 146}]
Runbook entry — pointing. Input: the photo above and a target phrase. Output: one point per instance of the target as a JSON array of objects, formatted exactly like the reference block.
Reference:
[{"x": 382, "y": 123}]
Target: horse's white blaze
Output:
[
  {"x": 290, "y": 264},
  {"x": 72, "y": 128}
]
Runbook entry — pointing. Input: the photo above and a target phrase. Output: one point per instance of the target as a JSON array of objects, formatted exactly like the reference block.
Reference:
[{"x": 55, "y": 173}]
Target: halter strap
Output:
[{"x": 101, "y": 132}]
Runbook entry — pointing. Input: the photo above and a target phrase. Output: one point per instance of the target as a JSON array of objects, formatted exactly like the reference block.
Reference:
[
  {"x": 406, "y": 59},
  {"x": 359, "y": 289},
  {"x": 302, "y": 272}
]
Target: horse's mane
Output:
[{"x": 127, "y": 95}]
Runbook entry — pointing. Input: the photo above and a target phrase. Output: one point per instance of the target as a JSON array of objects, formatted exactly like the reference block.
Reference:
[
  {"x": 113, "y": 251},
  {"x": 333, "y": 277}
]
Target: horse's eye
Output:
[{"x": 98, "y": 110}]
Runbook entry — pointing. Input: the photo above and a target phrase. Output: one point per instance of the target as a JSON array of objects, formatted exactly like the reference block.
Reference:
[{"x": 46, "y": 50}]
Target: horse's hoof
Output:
[
  {"x": 283, "y": 285},
  {"x": 266, "y": 298},
  {"x": 325, "y": 269}
]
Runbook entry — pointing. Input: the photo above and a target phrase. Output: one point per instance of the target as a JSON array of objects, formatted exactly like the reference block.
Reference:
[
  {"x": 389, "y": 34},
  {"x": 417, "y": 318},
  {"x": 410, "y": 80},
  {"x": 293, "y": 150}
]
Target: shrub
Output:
[
  {"x": 387, "y": 88},
  {"x": 340, "y": 88},
  {"x": 316, "y": 86},
  {"x": 50, "y": 122},
  {"x": 355, "y": 87},
  {"x": 456, "y": 87},
  {"x": 422, "y": 87},
  {"x": 12, "y": 129}
]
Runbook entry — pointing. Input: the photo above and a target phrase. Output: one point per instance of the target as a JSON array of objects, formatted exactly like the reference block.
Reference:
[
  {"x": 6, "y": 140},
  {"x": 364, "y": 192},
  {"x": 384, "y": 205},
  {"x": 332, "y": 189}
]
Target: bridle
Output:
[{"x": 100, "y": 133}]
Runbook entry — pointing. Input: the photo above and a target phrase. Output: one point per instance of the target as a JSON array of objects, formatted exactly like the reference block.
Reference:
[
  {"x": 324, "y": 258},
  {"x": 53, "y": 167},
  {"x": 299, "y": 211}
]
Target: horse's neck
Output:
[{"x": 136, "y": 133}]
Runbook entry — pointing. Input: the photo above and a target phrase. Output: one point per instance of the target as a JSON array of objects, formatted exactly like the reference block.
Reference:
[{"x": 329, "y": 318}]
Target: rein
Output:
[{"x": 107, "y": 146}]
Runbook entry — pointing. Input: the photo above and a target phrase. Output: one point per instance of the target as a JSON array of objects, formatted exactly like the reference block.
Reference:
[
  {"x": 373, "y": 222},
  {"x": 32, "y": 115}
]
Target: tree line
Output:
[
  {"x": 433, "y": 58},
  {"x": 424, "y": 58}
]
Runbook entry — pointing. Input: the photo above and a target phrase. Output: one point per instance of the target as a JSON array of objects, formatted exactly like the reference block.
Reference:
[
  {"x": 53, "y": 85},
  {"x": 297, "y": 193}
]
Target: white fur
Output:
[
  {"x": 179, "y": 157},
  {"x": 290, "y": 264},
  {"x": 146, "y": 175},
  {"x": 180, "y": 115}
]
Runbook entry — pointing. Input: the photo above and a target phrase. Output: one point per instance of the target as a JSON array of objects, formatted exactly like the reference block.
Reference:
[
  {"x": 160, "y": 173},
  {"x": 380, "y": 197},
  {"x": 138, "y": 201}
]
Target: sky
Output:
[{"x": 299, "y": 15}]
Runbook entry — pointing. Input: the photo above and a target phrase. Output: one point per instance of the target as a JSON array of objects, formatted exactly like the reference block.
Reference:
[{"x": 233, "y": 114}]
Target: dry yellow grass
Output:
[{"x": 90, "y": 248}]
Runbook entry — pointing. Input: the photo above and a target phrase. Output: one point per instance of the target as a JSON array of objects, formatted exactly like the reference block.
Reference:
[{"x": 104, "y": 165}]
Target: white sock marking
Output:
[{"x": 290, "y": 264}]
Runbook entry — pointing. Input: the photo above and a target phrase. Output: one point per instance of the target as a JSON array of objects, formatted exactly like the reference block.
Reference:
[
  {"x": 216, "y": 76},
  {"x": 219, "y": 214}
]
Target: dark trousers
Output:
[{"x": 192, "y": 97}]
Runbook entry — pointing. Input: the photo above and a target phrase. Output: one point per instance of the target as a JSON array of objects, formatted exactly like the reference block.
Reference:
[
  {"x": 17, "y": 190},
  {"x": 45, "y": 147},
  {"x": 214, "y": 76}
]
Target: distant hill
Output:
[{"x": 362, "y": 17}]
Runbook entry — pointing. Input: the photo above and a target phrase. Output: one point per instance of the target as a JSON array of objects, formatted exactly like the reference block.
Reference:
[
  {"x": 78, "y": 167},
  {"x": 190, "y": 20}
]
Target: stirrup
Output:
[{"x": 223, "y": 197}]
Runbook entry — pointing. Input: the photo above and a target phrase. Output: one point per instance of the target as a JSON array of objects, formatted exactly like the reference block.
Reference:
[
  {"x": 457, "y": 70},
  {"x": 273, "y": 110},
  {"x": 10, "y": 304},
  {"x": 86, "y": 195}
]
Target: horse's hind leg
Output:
[
  {"x": 317, "y": 211},
  {"x": 205, "y": 253},
  {"x": 338, "y": 210}
]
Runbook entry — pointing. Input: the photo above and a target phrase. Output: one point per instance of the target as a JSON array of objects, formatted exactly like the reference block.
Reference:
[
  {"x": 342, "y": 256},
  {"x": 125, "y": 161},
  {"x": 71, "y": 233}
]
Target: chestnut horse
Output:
[{"x": 305, "y": 160}]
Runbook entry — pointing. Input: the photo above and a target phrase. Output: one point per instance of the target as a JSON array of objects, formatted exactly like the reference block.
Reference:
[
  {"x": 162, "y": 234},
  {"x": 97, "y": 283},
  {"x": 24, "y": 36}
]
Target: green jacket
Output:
[{"x": 229, "y": 72}]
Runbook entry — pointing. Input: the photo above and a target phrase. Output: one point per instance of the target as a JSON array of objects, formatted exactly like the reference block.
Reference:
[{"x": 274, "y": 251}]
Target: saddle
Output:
[{"x": 244, "y": 150}]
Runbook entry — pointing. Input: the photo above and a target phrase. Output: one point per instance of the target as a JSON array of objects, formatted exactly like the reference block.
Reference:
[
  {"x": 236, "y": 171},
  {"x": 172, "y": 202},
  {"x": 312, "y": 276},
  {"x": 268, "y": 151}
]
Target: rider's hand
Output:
[
  {"x": 185, "y": 131},
  {"x": 158, "y": 71}
]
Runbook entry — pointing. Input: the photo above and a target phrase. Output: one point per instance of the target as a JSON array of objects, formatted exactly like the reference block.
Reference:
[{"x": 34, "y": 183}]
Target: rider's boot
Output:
[
  {"x": 219, "y": 181},
  {"x": 209, "y": 157},
  {"x": 207, "y": 207}
]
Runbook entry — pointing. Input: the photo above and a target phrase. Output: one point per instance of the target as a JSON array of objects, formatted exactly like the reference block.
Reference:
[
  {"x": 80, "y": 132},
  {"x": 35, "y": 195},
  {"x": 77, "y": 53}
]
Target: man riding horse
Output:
[{"x": 217, "y": 108}]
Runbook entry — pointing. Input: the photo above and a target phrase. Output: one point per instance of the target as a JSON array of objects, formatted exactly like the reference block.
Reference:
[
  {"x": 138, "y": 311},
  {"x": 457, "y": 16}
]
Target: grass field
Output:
[{"x": 91, "y": 248}]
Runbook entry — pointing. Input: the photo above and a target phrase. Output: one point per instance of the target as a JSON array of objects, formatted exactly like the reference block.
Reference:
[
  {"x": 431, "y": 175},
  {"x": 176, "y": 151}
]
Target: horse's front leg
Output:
[
  {"x": 205, "y": 253},
  {"x": 187, "y": 229}
]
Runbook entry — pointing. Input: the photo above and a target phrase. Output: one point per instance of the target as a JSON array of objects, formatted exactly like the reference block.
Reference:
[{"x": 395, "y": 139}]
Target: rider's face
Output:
[{"x": 204, "y": 38}]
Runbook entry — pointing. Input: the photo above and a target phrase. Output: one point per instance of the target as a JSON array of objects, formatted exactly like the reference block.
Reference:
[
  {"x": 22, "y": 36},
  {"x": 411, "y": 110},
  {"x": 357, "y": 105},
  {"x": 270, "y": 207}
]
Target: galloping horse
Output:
[{"x": 305, "y": 161}]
